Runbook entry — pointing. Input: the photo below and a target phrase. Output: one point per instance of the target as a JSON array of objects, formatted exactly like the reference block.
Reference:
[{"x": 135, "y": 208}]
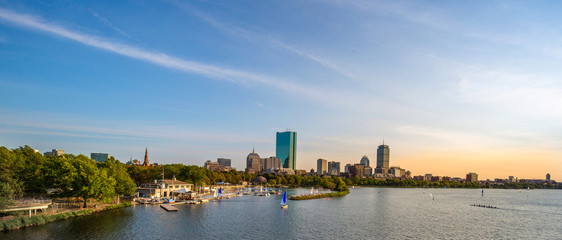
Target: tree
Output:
[
  {"x": 9, "y": 185},
  {"x": 91, "y": 182},
  {"x": 29, "y": 170},
  {"x": 59, "y": 174},
  {"x": 124, "y": 185},
  {"x": 272, "y": 182}
]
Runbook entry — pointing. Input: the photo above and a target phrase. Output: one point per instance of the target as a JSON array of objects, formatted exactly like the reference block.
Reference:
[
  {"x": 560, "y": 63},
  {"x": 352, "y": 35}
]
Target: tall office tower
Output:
[
  {"x": 270, "y": 163},
  {"x": 286, "y": 149},
  {"x": 365, "y": 160},
  {"x": 383, "y": 159},
  {"x": 548, "y": 177},
  {"x": 146, "y": 163},
  {"x": 99, "y": 157},
  {"x": 225, "y": 162},
  {"x": 253, "y": 162},
  {"x": 321, "y": 166},
  {"x": 334, "y": 168}
]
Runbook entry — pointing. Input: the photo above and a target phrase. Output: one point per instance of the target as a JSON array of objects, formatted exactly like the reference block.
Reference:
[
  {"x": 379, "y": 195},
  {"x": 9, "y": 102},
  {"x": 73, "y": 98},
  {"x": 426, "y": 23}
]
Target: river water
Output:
[{"x": 365, "y": 213}]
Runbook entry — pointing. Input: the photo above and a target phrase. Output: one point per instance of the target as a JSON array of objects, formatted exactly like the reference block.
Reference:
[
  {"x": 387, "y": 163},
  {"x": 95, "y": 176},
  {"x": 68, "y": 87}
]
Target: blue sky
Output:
[{"x": 452, "y": 87}]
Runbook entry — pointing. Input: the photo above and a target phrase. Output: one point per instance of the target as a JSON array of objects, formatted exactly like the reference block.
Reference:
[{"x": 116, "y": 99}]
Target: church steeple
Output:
[{"x": 146, "y": 163}]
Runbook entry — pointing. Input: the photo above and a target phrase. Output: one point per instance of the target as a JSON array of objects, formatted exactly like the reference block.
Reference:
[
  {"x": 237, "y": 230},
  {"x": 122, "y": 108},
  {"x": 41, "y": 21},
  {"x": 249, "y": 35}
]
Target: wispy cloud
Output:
[
  {"x": 237, "y": 31},
  {"x": 318, "y": 59},
  {"x": 158, "y": 58},
  {"x": 106, "y": 22},
  {"x": 54, "y": 126}
]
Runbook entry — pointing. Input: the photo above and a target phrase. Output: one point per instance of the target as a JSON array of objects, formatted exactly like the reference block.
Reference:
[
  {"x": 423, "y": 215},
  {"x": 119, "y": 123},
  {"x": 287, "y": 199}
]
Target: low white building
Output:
[{"x": 163, "y": 188}]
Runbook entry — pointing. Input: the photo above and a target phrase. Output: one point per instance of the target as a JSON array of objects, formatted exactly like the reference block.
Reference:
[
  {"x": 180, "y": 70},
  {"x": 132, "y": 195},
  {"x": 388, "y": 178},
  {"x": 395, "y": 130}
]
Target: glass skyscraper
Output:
[
  {"x": 383, "y": 159},
  {"x": 286, "y": 149}
]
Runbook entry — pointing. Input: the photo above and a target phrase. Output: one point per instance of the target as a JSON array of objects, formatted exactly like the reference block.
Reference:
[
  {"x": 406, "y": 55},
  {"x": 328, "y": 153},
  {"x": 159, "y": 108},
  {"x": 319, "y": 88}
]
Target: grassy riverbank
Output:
[
  {"x": 26, "y": 221},
  {"x": 323, "y": 195}
]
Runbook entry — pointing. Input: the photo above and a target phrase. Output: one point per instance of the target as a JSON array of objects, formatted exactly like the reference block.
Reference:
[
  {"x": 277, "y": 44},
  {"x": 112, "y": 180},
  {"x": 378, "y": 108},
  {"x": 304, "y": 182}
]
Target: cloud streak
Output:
[
  {"x": 106, "y": 22},
  {"x": 161, "y": 59},
  {"x": 237, "y": 31}
]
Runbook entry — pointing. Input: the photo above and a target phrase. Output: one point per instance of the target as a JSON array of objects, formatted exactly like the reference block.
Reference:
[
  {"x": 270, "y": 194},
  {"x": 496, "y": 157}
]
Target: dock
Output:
[{"x": 169, "y": 208}]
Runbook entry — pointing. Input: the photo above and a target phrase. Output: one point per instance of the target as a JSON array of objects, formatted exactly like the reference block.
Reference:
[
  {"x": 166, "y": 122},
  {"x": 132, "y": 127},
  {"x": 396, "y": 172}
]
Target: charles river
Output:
[{"x": 365, "y": 213}]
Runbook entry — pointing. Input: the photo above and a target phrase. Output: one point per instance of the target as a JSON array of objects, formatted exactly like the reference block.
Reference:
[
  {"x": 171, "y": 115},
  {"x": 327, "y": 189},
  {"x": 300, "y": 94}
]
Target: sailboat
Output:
[
  {"x": 431, "y": 195},
  {"x": 216, "y": 194},
  {"x": 284, "y": 201}
]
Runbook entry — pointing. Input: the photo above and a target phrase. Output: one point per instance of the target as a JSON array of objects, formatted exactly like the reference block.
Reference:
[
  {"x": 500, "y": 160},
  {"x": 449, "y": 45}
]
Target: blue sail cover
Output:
[{"x": 284, "y": 200}]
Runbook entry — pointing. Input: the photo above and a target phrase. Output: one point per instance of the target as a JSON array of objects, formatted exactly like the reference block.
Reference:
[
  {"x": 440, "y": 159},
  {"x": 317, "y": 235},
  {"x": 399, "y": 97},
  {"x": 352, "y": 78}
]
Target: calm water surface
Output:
[{"x": 366, "y": 213}]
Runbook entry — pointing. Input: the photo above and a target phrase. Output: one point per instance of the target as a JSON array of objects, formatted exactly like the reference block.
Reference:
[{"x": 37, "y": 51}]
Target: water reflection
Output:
[{"x": 366, "y": 213}]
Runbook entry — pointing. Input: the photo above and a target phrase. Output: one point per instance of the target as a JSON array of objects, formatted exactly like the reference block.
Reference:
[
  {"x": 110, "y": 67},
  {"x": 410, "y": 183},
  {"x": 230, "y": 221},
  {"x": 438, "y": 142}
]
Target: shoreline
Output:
[{"x": 36, "y": 220}]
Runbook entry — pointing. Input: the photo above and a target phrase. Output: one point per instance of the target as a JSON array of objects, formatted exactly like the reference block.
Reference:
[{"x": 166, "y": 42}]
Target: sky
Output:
[{"x": 451, "y": 86}]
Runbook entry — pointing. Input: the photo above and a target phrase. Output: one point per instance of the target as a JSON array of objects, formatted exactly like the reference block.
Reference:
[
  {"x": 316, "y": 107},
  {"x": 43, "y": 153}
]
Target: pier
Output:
[{"x": 169, "y": 208}]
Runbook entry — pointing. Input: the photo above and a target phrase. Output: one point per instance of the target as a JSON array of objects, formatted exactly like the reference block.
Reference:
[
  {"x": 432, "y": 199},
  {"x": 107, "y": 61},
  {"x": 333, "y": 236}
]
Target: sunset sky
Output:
[{"x": 451, "y": 86}]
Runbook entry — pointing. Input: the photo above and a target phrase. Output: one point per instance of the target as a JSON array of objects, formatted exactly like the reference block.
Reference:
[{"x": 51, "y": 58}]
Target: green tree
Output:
[
  {"x": 91, "y": 182},
  {"x": 29, "y": 170},
  {"x": 124, "y": 185},
  {"x": 10, "y": 186},
  {"x": 59, "y": 174}
]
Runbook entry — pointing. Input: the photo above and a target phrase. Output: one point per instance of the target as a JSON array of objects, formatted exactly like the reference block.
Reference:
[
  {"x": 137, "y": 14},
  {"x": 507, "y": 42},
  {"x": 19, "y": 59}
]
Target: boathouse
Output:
[{"x": 163, "y": 188}]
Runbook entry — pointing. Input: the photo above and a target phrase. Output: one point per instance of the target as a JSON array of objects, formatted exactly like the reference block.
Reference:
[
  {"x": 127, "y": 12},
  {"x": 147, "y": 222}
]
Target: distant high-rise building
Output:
[
  {"x": 511, "y": 178},
  {"x": 397, "y": 171},
  {"x": 357, "y": 170},
  {"x": 321, "y": 166},
  {"x": 99, "y": 157},
  {"x": 548, "y": 177},
  {"x": 334, "y": 168},
  {"x": 286, "y": 149},
  {"x": 367, "y": 171},
  {"x": 270, "y": 163},
  {"x": 253, "y": 162},
  {"x": 428, "y": 176},
  {"x": 146, "y": 163},
  {"x": 346, "y": 169},
  {"x": 55, "y": 152},
  {"x": 471, "y": 177},
  {"x": 225, "y": 162},
  {"x": 365, "y": 161},
  {"x": 383, "y": 159}
]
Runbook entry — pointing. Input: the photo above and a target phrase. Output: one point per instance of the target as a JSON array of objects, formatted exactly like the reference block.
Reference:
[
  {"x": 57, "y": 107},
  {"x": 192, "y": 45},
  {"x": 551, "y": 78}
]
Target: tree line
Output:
[{"x": 27, "y": 173}]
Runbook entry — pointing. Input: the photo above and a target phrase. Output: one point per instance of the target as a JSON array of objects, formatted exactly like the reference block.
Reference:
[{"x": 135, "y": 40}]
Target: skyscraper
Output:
[
  {"x": 383, "y": 159},
  {"x": 270, "y": 163},
  {"x": 365, "y": 160},
  {"x": 225, "y": 162},
  {"x": 334, "y": 168},
  {"x": 286, "y": 149},
  {"x": 253, "y": 162},
  {"x": 321, "y": 166}
]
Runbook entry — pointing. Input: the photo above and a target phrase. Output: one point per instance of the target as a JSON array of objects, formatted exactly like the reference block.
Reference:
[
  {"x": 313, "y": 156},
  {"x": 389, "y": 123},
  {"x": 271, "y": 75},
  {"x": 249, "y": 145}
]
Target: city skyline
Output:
[{"x": 452, "y": 87}]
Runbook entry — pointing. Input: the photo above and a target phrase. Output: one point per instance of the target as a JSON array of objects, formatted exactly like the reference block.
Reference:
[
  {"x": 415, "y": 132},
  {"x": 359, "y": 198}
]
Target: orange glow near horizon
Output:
[{"x": 523, "y": 164}]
